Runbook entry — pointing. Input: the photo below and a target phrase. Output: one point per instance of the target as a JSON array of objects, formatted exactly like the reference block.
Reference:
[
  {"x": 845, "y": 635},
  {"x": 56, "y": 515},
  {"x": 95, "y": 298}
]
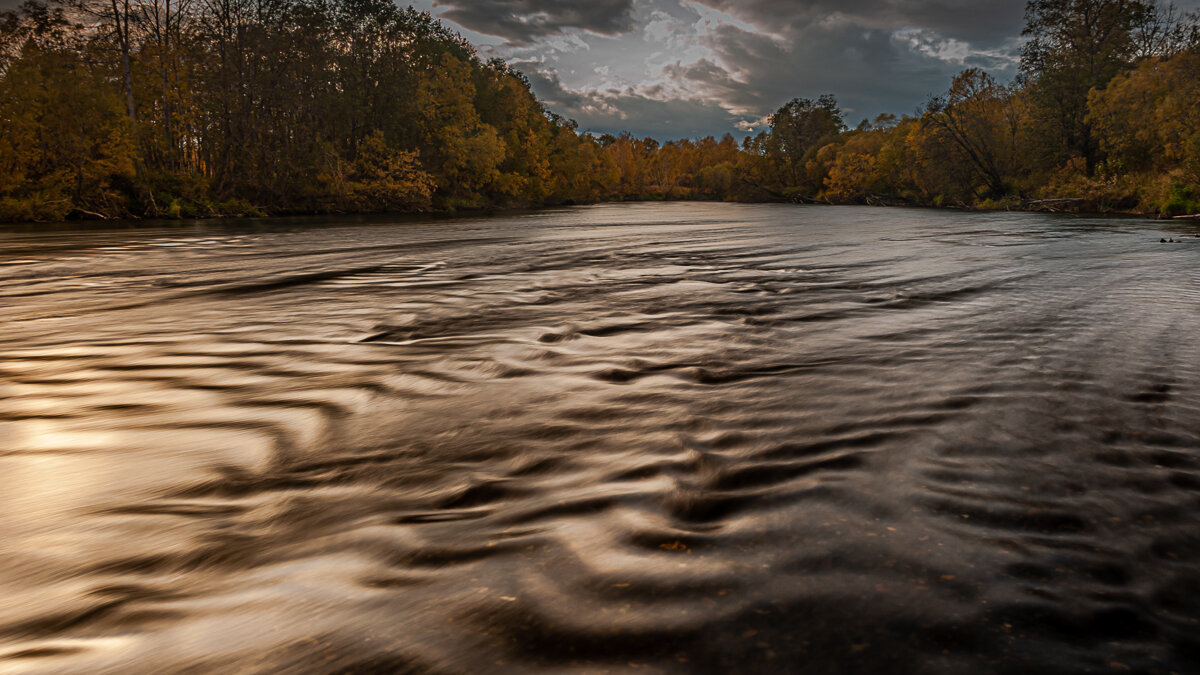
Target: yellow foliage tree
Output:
[
  {"x": 462, "y": 153},
  {"x": 66, "y": 142}
]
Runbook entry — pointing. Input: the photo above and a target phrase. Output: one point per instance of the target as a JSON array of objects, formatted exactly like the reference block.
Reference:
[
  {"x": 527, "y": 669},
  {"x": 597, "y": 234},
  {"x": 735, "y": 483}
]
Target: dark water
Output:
[{"x": 662, "y": 438}]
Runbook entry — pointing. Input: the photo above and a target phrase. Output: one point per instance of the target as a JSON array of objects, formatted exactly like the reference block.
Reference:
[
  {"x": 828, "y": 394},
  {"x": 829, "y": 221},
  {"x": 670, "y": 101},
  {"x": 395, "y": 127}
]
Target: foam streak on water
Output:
[{"x": 670, "y": 438}]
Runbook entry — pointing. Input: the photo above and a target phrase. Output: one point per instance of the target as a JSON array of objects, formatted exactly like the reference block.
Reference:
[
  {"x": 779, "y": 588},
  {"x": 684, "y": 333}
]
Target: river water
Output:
[{"x": 651, "y": 438}]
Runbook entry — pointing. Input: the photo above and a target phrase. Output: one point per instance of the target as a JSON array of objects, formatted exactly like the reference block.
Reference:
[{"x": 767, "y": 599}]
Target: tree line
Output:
[{"x": 177, "y": 108}]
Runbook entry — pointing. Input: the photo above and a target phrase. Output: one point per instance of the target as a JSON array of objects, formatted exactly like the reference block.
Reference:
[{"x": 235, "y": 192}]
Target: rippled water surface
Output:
[{"x": 670, "y": 438}]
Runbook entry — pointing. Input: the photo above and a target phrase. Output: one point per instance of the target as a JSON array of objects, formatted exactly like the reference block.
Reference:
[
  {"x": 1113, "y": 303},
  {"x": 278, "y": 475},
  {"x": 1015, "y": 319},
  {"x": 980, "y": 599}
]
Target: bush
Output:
[
  {"x": 40, "y": 208},
  {"x": 1180, "y": 200}
]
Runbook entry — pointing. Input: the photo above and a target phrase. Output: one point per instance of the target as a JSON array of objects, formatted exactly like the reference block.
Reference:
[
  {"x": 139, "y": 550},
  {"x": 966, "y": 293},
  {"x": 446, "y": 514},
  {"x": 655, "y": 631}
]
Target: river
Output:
[{"x": 648, "y": 438}]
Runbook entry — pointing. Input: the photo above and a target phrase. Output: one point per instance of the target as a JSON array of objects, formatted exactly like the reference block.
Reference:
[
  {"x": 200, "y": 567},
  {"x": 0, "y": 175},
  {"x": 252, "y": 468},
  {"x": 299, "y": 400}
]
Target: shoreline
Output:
[{"x": 1034, "y": 206}]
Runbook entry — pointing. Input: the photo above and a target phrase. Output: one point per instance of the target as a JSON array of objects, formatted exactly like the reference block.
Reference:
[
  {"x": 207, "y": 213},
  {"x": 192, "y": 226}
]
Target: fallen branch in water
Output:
[
  {"x": 876, "y": 199},
  {"x": 77, "y": 213},
  {"x": 798, "y": 199},
  {"x": 1060, "y": 200},
  {"x": 1194, "y": 216},
  {"x": 1050, "y": 204}
]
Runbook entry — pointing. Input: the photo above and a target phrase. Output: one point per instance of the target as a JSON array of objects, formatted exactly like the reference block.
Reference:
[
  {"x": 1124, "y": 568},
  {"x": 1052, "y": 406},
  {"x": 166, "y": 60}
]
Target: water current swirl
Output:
[{"x": 652, "y": 438}]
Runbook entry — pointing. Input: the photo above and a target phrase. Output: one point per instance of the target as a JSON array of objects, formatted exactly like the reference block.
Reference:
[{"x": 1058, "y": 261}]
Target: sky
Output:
[{"x": 690, "y": 68}]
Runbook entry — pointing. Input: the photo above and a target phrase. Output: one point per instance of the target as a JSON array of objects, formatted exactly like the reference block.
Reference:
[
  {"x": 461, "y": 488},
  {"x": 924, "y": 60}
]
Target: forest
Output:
[{"x": 197, "y": 108}]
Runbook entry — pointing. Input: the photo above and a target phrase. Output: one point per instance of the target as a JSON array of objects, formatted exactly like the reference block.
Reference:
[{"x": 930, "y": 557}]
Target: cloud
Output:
[
  {"x": 521, "y": 22},
  {"x": 981, "y": 22},
  {"x": 871, "y": 70},
  {"x": 700, "y": 67},
  {"x": 643, "y": 111},
  {"x": 728, "y": 64}
]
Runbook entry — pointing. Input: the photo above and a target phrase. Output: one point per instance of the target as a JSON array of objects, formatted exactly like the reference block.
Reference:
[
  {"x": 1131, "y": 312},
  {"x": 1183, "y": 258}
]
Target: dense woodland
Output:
[{"x": 178, "y": 108}]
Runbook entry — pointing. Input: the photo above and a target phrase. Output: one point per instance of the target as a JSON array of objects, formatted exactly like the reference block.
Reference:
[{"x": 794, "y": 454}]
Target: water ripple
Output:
[{"x": 670, "y": 437}]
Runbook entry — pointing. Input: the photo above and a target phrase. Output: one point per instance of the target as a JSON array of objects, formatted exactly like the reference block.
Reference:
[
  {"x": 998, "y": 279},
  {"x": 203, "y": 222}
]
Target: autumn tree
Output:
[
  {"x": 203, "y": 107},
  {"x": 1146, "y": 122},
  {"x": 1075, "y": 46},
  {"x": 462, "y": 151},
  {"x": 977, "y": 117},
  {"x": 798, "y": 128}
]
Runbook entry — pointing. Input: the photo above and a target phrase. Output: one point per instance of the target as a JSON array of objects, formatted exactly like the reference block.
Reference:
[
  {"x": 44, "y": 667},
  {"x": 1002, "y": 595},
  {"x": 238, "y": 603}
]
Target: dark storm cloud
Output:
[
  {"x": 523, "y": 21},
  {"x": 977, "y": 21},
  {"x": 870, "y": 70},
  {"x": 888, "y": 57}
]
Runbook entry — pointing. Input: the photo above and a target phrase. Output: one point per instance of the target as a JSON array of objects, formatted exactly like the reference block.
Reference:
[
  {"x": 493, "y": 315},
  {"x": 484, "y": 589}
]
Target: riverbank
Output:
[
  {"x": 1078, "y": 206},
  {"x": 1082, "y": 206}
]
